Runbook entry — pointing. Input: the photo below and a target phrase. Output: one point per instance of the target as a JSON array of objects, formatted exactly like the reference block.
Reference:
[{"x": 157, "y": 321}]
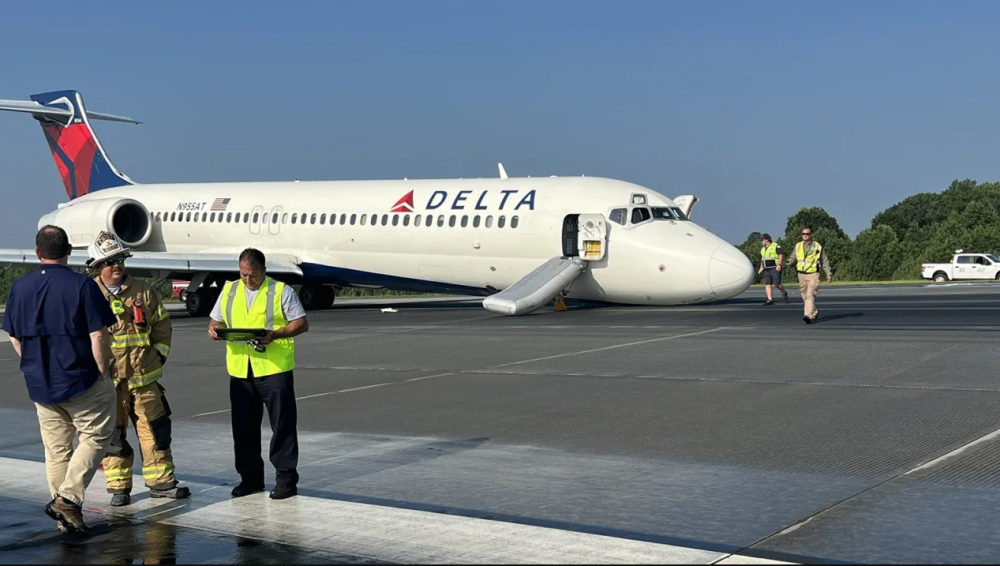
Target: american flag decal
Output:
[{"x": 219, "y": 204}]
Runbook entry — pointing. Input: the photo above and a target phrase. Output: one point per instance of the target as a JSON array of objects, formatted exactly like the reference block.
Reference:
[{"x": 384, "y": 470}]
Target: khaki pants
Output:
[
  {"x": 148, "y": 411},
  {"x": 91, "y": 416},
  {"x": 809, "y": 287}
]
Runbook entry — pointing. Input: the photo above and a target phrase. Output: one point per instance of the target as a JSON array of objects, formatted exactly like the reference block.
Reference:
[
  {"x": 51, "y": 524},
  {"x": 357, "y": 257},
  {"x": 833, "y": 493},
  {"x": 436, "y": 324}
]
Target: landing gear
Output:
[
  {"x": 200, "y": 302},
  {"x": 316, "y": 297}
]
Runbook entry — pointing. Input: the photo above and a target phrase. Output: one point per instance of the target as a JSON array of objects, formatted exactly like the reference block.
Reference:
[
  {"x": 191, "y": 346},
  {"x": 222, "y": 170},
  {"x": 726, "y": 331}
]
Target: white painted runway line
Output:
[{"x": 379, "y": 532}]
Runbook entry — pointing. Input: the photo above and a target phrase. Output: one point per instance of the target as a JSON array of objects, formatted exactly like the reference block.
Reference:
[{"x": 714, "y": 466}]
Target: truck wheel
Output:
[{"x": 940, "y": 278}]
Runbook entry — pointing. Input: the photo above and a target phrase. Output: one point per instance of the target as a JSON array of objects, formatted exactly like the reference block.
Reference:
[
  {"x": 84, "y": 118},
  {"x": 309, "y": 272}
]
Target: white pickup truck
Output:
[{"x": 963, "y": 266}]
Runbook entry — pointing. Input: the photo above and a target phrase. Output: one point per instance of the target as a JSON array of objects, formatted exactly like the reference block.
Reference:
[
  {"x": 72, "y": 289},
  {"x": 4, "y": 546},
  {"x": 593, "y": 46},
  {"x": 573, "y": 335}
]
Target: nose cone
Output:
[{"x": 729, "y": 272}]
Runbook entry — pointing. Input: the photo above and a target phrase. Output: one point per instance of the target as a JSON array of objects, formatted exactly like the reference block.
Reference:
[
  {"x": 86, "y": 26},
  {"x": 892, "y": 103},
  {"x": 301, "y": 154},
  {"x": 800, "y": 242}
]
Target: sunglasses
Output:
[
  {"x": 111, "y": 262},
  {"x": 807, "y": 233}
]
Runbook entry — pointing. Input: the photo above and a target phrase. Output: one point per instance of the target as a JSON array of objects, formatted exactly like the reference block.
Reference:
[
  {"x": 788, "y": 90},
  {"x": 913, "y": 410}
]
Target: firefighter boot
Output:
[
  {"x": 170, "y": 492},
  {"x": 120, "y": 499}
]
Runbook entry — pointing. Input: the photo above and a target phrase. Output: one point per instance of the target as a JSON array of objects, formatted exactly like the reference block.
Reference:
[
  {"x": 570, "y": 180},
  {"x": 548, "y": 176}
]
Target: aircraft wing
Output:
[{"x": 163, "y": 265}]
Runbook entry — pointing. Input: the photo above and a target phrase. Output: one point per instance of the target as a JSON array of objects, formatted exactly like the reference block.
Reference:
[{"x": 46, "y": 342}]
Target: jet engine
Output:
[{"x": 126, "y": 218}]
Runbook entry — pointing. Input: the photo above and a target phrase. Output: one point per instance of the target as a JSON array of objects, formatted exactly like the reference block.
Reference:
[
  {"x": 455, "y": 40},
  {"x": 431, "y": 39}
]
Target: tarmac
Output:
[{"x": 724, "y": 433}]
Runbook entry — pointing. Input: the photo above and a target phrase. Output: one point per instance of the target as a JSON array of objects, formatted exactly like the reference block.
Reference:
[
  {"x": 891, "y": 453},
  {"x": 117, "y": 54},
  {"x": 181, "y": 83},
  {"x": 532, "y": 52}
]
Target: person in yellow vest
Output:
[
  {"x": 809, "y": 256},
  {"x": 771, "y": 258},
  {"x": 261, "y": 373},
  {"x": 140, "y": 344}
]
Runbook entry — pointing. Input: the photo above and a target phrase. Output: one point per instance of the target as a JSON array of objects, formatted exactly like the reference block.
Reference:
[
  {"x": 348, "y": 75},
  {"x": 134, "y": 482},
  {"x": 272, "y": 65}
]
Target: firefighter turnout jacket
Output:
[{"x": 140, "y": 340}]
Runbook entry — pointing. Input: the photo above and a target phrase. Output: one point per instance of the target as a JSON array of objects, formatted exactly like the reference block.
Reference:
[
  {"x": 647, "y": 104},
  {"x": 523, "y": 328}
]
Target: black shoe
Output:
[
  {"x": 120, "y": 499},
  {"x": 170, "y": 493},
  {"x": 807, "y": 319},
  {"x": 283, "y": 492},
  {"x": 784, "y": 295},
  {"x": 247, "y": 488},
  {"x": 769, "y": 302}
]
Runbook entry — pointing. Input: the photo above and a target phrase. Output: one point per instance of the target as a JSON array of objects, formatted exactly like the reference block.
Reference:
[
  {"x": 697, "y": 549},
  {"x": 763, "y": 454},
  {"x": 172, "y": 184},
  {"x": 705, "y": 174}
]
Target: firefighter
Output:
[{"x": 140, "y": 344}]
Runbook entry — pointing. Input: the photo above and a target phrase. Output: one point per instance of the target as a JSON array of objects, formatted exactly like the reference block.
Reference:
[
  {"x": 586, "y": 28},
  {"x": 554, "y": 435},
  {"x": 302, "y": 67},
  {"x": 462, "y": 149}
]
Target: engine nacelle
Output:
[{"x": 127, "y": 219}]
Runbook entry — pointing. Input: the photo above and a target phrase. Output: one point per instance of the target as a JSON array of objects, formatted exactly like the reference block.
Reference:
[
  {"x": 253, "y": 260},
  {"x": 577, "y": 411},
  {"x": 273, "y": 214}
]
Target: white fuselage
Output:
[{"x": 485, "y": 234}]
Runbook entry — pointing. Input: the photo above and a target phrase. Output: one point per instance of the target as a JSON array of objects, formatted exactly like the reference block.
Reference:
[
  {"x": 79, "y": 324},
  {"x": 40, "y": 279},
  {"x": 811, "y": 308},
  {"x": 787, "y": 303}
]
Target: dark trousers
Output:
[{"x": 248, "y": 398}]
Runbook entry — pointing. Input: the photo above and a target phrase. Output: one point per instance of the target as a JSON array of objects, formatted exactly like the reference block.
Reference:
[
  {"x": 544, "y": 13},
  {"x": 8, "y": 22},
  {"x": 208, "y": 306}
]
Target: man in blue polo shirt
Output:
[{"x": 58, "y": 322}]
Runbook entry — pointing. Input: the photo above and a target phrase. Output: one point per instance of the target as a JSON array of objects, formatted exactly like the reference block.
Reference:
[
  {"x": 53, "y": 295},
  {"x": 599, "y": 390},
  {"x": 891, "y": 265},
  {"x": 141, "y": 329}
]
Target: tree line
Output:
[{"x": 923, "y": 228}]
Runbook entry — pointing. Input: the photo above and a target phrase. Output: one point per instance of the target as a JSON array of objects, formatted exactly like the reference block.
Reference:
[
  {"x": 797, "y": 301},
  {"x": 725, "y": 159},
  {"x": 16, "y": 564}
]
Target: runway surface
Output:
[{"x": 727, "y": 433}]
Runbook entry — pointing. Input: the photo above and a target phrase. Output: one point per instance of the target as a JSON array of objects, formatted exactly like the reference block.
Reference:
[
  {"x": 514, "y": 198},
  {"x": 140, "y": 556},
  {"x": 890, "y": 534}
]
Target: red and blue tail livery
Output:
[{"x": 83, "y": 164}]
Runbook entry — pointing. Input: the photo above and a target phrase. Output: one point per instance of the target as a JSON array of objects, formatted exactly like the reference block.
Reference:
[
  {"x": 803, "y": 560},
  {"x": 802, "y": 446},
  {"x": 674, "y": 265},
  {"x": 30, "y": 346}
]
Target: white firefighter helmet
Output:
[{"x": 105, "y": 247}]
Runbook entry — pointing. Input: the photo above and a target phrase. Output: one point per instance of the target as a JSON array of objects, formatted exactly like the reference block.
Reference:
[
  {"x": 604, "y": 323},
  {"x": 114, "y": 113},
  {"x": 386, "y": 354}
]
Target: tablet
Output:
[{"x": 240, "y": 334}]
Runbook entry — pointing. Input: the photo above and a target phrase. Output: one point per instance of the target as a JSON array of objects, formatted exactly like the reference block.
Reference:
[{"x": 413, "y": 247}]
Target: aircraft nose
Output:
[{"x": 729, "y": 272}]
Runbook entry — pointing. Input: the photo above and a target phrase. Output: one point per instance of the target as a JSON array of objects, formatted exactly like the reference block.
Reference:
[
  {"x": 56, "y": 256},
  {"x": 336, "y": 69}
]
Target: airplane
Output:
[{"x": 519, "y": 242}]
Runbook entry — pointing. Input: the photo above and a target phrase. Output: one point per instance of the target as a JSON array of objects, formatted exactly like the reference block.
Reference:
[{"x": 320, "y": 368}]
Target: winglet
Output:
[{"x": 503, "y": 173}]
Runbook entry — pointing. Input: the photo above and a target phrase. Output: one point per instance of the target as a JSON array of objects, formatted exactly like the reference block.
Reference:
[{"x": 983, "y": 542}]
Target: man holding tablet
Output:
[{"x": 258, "y": 318}]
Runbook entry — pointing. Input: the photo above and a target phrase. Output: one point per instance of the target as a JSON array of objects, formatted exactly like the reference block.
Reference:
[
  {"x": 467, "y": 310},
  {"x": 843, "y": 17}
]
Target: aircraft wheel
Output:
[
  {"x": 311, "y": 297},
  {"x": 326, "y": 297},
  {"x": 200, "y": 302}
]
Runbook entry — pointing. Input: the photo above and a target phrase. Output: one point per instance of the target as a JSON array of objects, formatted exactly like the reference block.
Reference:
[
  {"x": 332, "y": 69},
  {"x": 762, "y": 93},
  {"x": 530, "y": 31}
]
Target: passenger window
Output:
[
  {"x": 364, "y": 218},
  {"x": 204, "y": 217},
  {"x": 385, "y": 219},
  {"x": 263, "y": 218},
  {"x": 353, "y": 218},
  {"x": 295, "y": 217},
  {"x": 640, "y": 214},
  {"x": 343, "y": 219},
  {"x": 489, "y": 221},
  {"x": 395, "y": 219},
  {"x": 312, "y": 219},
  {"x": 196, "y": 217},
  {"x": 406, "y": 220},
  {"x": 416, "y": 220},
  {"x": 501, "y": 221},
  {"x": 475, "y": 221},
  {"x": 513, "y": 221},
  {"x": 465, "y": 221},
  {"x": 188, "y": 217},
  {"x": 965, "y": 259},
  {"x": 255, "y": 217},
  {"x": 322, "y": 218},
  {"x": 451, "y": 221},
  {"x": 157, "y": 216},
  {"x": 440, "y": 220}
]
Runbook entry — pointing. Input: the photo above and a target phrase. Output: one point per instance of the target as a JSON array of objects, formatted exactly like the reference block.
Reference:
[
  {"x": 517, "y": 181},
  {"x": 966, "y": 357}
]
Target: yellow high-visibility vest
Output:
[
  {"x": 770, "y": 253},
  {"x": 265, "y": 312},
  {"x": 810, "y": 263}
]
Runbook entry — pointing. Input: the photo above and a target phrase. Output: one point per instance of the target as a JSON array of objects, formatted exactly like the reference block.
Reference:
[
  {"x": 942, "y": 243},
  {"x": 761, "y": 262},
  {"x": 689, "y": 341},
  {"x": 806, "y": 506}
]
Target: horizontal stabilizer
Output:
[
  {"x": 33, "y": 107},
  {"x": 537, "y": 288},
  {"x": 163, "y": 264}
]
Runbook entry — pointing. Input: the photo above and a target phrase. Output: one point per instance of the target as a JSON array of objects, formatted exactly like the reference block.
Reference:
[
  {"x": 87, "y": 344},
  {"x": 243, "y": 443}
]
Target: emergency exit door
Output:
[{"x": 570, "y": 233}]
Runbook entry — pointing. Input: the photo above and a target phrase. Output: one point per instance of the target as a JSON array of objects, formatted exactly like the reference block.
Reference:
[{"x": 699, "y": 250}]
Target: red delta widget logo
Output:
[{"x": 461, "y": 200}]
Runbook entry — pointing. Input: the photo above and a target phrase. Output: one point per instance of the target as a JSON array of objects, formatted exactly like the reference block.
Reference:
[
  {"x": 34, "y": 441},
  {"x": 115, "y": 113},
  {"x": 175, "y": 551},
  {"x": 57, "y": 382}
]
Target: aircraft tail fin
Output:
[{"x": 83, "y": 164}]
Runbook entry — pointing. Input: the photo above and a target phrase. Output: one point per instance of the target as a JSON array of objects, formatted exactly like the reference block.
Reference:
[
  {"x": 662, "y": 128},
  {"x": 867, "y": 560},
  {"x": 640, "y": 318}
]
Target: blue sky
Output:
[{"x": 759, "y": 108}]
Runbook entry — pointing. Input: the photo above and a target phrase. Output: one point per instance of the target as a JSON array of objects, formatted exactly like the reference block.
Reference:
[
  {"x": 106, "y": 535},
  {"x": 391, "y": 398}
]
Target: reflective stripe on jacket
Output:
[{"x": 137, "y": 347}]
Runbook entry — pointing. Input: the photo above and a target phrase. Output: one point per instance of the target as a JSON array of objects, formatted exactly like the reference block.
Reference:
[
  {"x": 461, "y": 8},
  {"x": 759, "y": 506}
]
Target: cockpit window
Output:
[
  {"x": 640, "y": 215},
  {"x": 619, "y": 215},
  {"x": 680, "y": 214},
  {"x": 660, "y": 213}
]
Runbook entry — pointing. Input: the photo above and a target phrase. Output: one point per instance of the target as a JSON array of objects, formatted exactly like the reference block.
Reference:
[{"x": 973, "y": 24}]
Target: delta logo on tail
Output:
[{"x": 481, "y": 202}]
